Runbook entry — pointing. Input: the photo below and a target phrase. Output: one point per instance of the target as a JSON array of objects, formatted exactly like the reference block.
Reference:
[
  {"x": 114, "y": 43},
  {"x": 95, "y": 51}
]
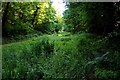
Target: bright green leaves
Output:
[{"x": 24, "y": 17}]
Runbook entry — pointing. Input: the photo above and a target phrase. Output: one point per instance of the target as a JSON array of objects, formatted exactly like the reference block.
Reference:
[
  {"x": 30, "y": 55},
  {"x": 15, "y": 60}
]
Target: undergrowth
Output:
[{"x": 81, "y": 56}]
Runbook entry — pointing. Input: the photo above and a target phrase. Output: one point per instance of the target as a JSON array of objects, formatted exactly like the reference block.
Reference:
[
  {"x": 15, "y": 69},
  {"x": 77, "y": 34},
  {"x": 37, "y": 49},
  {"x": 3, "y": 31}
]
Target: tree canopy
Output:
[
  {"x": 98, "y": 18},
  {"x": 24, "y": 18}
]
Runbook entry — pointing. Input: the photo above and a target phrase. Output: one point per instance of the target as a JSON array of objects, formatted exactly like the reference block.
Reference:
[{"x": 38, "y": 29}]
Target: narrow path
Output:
[
  {"x": 14, "y": 43},
  {"x": 20, "y": 41}
]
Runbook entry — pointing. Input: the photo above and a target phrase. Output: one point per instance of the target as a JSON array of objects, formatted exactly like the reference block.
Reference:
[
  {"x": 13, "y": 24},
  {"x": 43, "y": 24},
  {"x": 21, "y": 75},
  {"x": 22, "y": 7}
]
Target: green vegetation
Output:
[
  {"x": 52, "y": 56},
  {"x": 40, "y": 44},
  {"x": 28, "y": 17}
]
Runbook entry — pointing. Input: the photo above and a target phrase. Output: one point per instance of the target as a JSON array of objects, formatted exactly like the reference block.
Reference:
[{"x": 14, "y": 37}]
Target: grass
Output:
[
  {"x": 55, "y": 56},
  {"x": 22, "y": 58}
]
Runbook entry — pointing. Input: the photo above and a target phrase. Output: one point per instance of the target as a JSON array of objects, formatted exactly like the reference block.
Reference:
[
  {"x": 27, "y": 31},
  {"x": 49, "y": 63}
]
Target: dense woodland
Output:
[
  {"x": 39, "y": 43},
  {"x": 24, "y": 18}
]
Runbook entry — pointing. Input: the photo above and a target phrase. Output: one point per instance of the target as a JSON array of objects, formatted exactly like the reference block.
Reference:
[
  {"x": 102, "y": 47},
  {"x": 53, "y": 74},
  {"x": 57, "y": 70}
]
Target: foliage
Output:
[
  {"x": 91, "y": 54},
  {"x": 97, "y": 18},
  {"x": 24, "y": 18},
  {"x": 22, "y": 61},
  {"x": 77, "y": 56}
]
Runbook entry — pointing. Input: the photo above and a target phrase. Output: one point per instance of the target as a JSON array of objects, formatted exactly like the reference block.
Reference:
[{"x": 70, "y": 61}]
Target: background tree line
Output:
[
  {"x": 98, "y": 18},
  {"x": 24, "y": 18}
]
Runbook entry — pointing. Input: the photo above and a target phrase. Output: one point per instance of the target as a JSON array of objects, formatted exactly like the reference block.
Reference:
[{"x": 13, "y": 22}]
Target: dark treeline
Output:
[{"x": 97, "y": 18}]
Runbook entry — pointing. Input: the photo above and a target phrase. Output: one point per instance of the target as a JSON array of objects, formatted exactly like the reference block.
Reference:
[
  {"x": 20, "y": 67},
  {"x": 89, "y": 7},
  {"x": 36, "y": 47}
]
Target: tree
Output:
[
  {"x": 24, "y": 18},
  {"x": 5, "y": 14},
  {"x": 95, "y": 18}
]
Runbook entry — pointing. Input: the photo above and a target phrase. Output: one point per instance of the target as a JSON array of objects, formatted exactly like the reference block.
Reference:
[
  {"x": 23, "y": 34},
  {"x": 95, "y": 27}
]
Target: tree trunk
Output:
[{"x": 4, "y": 18}]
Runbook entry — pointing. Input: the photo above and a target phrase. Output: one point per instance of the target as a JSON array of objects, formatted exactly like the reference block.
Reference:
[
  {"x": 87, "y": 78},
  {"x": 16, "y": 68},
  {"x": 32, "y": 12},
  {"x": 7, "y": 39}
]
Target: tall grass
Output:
[{"x": 77, "y": 56}]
